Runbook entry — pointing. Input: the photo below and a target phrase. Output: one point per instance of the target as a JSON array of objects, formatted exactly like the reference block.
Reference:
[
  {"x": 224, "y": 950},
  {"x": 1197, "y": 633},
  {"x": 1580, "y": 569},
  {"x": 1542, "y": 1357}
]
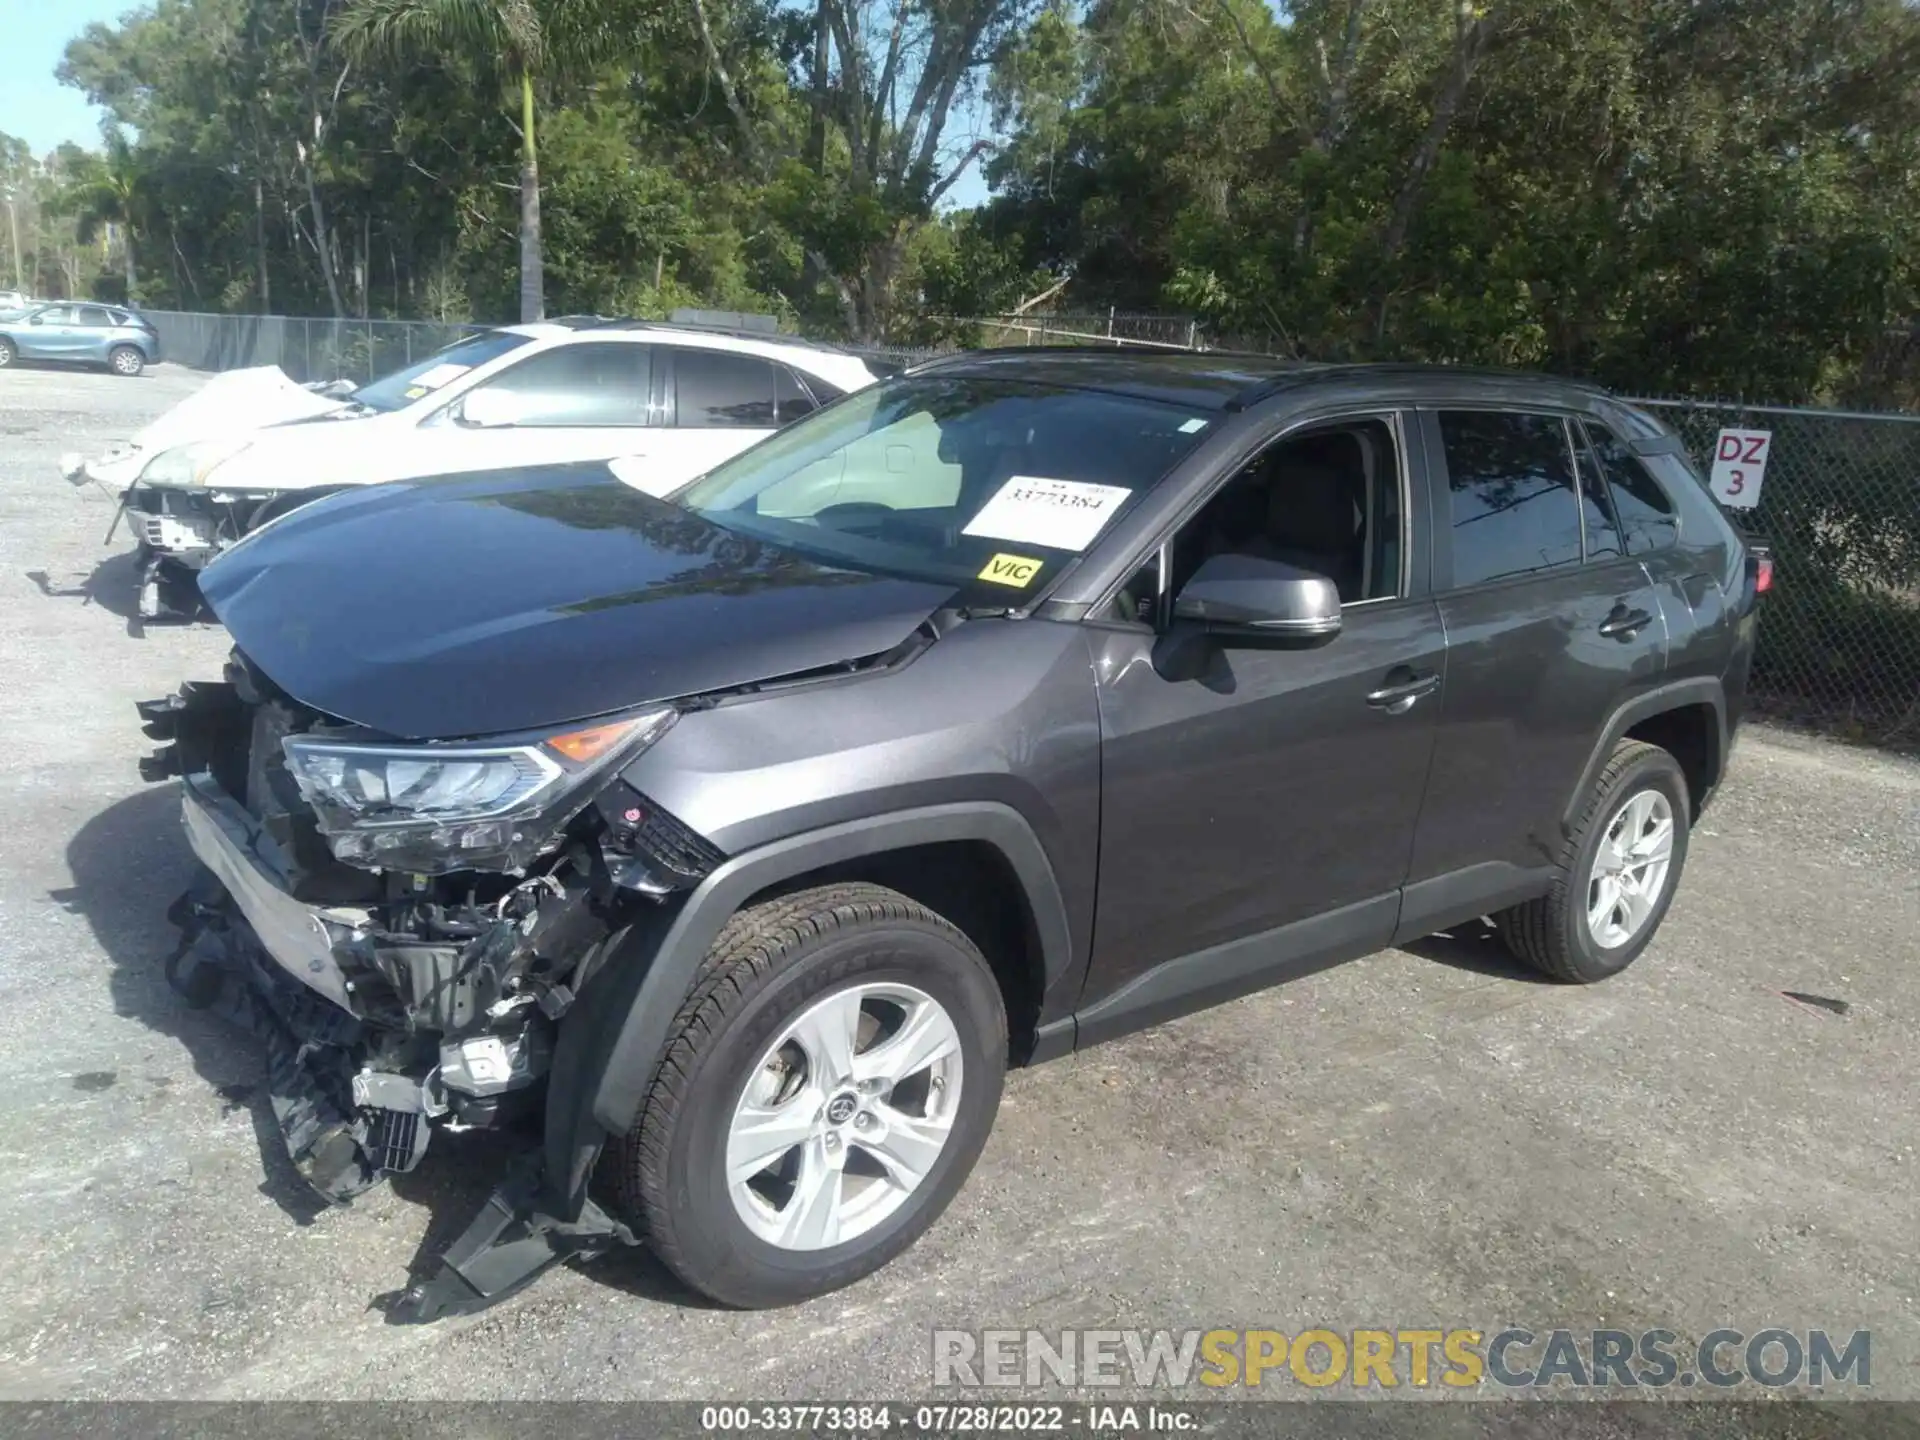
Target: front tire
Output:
[
  {"x": 828, "y": 1083},
  {"x": 126, "y": 360},
  {"x": 1617, "y": 874},
  {"x": 9, "y": 352}
]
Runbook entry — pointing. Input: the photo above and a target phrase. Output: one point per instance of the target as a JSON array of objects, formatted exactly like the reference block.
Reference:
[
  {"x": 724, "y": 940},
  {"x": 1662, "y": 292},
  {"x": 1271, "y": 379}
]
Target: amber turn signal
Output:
[{"x": 582, "y": 746}]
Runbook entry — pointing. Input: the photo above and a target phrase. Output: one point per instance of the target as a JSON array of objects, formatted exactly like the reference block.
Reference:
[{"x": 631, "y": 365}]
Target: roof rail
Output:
[{"x": 773, "y": 337}]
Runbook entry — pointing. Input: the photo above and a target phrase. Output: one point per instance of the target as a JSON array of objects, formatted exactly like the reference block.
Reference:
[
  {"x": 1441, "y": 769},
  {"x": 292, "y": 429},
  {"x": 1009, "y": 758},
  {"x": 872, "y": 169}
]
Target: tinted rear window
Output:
[
  {"x": 1646, "y": 511},
  {"x": 716, "y": 390},
  {"x": 1515, "y": 509}
]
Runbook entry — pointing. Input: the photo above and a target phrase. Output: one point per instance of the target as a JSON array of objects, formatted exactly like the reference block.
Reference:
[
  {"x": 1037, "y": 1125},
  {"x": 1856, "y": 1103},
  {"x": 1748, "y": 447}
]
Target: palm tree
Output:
[
  {"x": 516, "y": 40},
  {"x": 107, "y": 191}
]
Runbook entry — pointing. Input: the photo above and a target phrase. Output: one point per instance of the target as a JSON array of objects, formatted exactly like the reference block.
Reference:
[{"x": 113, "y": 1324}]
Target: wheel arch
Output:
[
  {"x": 1686, "y": 718},
  {"x": 611, "y": 1042}
]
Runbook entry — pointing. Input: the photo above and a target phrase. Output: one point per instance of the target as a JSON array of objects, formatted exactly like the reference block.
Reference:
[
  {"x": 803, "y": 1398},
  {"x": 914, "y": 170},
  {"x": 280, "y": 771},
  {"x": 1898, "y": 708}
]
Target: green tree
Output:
[
  {"x": 16, "y": 193},
  {"x": 516, "y": 40},
  {"x": 108, "y": 190}
]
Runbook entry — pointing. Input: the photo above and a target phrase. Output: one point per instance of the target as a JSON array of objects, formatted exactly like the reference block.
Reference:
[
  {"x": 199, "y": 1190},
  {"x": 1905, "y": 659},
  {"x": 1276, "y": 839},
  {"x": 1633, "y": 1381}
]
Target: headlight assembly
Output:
[
  {"x": 430, "y": 808},
  {"x": 191, "y": 464}
]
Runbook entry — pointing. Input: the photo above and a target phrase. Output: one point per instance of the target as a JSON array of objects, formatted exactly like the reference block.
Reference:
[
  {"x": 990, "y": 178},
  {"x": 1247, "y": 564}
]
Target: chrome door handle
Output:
[
  {"x": 1397, "y": 699},
  {"x": 1624, "y": 624}
]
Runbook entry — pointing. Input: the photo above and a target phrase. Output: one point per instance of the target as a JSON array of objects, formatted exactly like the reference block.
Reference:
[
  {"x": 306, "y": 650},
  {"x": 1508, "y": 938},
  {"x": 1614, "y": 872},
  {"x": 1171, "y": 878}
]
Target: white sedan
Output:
[{"x": 667, "y": 402}]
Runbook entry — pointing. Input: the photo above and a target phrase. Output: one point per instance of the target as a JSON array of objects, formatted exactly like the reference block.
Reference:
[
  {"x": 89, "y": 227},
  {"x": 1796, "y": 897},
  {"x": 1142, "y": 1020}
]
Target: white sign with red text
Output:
[{"x": 1739, "y": 465}]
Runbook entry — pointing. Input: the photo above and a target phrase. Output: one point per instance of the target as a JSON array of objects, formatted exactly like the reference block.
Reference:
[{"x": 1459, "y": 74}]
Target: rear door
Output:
[
  {"x": 94, "y": 335},
  {"x": 1550, "y": 624},
  {"x": 718, "y": 403}
]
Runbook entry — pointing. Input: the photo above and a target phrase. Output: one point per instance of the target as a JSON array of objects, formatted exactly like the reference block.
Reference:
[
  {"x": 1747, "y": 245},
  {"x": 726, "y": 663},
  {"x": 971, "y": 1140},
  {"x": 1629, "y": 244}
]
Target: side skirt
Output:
[{"x": 1225, "y": 972}]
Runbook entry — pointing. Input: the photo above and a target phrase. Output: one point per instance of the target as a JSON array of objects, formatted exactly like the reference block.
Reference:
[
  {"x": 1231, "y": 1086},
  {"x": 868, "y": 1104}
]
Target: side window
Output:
[
  {"x": 1647, "y": 517},
  {"x": 588, "y": 384},
  {"x": 1327, "y": 501},
  {"x": 1596, "y": 507},
  {"x": 57, "y": 315},
  {"x": 1138, "y": 601},
  {"x": 790, "y": 397},
  {"x": 1514, "y": 507},
  {"x": 94, "y": 316},
  {"x": 717, "y": 389}
]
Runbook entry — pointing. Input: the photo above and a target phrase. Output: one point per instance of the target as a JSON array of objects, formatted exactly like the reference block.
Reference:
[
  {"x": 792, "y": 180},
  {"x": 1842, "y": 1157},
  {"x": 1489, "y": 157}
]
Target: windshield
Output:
[
  {"x": 423, "y": 377},
  {"x": 967, "y": 481}
]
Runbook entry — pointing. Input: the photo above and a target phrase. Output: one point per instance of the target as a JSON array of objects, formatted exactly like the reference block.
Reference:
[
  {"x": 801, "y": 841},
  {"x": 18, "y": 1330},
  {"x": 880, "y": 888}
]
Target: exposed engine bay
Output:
[
  {"x": 181, "y": 531},
  {"x": 404, "y": 978}
]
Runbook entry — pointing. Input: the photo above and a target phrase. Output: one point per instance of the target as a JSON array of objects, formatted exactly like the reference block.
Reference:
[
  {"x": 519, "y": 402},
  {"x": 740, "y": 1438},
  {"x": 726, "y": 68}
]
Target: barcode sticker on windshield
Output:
[
  {"x": 1063, "y": 514},
  {"x": 440, "y": 375}
]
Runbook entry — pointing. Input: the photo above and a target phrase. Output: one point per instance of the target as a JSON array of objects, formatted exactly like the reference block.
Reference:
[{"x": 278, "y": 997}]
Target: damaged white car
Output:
[{"x": 669, "y": 401}]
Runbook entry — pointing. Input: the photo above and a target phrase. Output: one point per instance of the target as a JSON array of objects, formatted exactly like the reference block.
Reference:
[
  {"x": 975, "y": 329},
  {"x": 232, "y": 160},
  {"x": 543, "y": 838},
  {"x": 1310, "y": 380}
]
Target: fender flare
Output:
[
  {"x": 1700, "y": 690},
  {"x": 612, "y": 1040}
]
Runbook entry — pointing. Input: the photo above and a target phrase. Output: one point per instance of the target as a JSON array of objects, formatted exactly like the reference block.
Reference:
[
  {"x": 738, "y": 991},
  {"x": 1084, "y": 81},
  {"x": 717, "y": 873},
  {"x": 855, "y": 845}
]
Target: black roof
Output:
[{"x": 1209, "y": 380}]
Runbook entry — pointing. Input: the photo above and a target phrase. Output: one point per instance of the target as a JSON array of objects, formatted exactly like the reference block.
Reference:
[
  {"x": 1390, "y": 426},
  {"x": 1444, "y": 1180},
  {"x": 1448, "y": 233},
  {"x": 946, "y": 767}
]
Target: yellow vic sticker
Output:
[{"x": 1014, "y": 570}]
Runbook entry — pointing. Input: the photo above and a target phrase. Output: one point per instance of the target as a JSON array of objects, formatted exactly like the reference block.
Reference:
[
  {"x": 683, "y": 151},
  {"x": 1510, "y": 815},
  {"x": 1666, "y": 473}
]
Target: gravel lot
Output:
[{"x": 1420, "y": 1139}]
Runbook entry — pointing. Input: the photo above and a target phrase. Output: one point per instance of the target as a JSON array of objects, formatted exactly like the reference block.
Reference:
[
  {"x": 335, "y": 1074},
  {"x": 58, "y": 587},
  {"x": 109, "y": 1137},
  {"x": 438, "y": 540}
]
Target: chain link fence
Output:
[
  {"x": 1840, "y": 507},
  {"x": 309, "y": 349}
]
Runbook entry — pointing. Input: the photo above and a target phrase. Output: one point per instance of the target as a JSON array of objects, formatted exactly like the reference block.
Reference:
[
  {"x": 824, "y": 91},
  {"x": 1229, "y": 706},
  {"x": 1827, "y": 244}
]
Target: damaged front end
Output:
[
  {"x": 404, "y": 925},
  {"x": 181, "y": 531}
]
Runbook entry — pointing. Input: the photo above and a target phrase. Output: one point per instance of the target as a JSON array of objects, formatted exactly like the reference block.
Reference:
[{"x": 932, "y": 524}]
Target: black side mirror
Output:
[{"x": 1251, "y": 600}]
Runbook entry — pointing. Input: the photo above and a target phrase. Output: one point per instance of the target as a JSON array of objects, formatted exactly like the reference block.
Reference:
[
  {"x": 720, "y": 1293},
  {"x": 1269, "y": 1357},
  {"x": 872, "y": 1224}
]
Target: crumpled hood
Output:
[
  {"x": 516, "y": 599},
  {"x": 232, "y": 403},
  {"x": 237, "y": 402}
]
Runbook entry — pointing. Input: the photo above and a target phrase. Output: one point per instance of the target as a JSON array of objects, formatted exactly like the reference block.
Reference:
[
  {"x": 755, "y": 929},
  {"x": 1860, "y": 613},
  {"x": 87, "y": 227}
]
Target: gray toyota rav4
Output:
[{"x": 728, "y": 848}]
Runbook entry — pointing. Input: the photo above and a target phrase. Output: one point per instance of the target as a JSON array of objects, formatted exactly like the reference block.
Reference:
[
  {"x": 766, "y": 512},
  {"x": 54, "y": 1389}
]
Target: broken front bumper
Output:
[{"x": 299, "y": 938}]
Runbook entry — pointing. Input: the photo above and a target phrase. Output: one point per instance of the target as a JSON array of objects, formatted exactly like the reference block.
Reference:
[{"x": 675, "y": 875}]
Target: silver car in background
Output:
[{"x": 80, "y": 332}]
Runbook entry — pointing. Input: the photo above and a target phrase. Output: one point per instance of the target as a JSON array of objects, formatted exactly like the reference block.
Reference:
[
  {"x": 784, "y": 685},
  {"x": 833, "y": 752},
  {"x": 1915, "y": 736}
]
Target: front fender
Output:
[{"x": 611, "y": 1041}]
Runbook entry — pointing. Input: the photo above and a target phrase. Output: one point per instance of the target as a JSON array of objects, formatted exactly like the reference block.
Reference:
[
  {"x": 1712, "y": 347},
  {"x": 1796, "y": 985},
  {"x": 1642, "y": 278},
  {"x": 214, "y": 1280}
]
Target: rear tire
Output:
[
  {"x": 1603, "y": 910},
  {"x": 126, "y": 360},
  {"x": 8, "y": 352},
  {"x": 742, "y": 1064}
]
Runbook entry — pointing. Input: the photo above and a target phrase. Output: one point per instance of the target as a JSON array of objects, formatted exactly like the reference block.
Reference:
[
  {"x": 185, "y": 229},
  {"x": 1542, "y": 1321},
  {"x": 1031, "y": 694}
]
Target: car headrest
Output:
[{"x": 1313, "y": 507}]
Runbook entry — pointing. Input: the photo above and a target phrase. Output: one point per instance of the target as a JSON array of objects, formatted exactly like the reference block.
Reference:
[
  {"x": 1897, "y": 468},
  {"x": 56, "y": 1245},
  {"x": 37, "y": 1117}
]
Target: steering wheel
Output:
[{"x": 854, "y": 514}]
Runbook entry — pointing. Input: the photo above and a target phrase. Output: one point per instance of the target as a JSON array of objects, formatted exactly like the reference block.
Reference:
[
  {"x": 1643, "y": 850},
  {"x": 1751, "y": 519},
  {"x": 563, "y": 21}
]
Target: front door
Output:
[
  {"x": 49, "y": 333},
  {"x": 1258, "y": 804},
  {"x": 589, "y": 400}
]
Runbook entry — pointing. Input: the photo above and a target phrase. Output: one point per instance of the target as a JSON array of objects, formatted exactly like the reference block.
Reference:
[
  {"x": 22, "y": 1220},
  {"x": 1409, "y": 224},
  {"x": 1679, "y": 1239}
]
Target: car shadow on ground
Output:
[
  {"x": 128, "y": 864},
  {"x": 1475, "y": 946},
  {"x": 113, "y": 585}
]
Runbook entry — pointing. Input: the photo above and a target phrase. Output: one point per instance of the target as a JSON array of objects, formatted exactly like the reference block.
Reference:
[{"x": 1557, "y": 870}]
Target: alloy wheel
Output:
[
  {"x": 844, "y": 1116},
  {"x": 1630, "y": 869}
]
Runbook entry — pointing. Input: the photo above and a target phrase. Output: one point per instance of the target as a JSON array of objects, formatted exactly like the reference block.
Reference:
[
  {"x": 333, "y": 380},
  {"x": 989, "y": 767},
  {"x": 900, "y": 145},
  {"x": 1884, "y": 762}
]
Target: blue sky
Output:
[{"x": 34, "y": 105}]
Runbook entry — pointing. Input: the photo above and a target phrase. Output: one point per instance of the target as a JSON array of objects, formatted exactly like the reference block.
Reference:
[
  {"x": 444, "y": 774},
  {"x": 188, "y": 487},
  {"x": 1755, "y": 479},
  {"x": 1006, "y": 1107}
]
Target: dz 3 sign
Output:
[{"x": 1739, "y": 465}]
